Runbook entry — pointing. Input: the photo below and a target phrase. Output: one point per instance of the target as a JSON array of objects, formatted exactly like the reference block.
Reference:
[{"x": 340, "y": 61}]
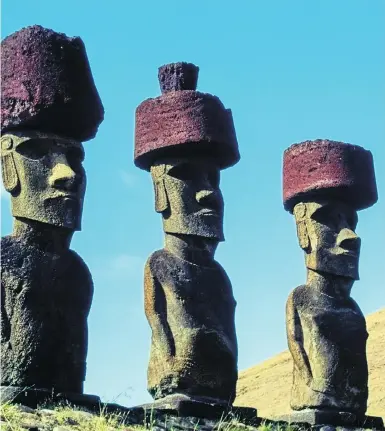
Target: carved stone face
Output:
[
  {"x": 326, "y": 231},
  {"x": 45, "y": 177},
  {"x": 188, "y": 196}
]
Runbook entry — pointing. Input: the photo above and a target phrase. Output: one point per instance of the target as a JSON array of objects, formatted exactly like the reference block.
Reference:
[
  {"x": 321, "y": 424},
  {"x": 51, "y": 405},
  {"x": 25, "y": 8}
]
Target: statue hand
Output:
[{"x": 321, "y": 385}]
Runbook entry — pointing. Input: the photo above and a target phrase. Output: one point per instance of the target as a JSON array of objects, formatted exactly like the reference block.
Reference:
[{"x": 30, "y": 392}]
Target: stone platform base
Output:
[
  {"x": 177, "y": 406},
  {"x": 201, "y": 407},
  {"x": 35, "y": 397},
  {"x": 331, "y": 417},
  {"x": 182, "y": 413}
]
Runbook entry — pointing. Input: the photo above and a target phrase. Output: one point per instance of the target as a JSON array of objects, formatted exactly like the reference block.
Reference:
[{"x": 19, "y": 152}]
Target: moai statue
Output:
[
  {"x": 49, "y": 105},
  {"x": 325, "y": 183},
  {"x": 184, "y": 138}
]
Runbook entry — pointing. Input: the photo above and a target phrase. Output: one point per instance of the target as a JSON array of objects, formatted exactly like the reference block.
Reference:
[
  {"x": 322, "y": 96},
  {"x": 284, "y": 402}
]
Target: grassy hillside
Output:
[{"x": 267, "y": 386}]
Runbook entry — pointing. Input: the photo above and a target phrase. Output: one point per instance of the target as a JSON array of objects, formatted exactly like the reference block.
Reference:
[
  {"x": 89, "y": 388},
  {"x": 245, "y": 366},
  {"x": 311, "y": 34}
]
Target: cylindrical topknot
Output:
[
  {"x": 178, "y": 76},
  {"x": 331, "y": 170},
  {"x": 47, "y": 84},
  {"x": 183, "y": 122}
]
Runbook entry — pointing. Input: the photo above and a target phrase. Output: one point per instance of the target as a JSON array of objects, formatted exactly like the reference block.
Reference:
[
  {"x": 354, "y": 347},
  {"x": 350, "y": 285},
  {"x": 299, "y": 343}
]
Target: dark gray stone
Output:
[
  {"x": 194, "y": 346},
  {"x": 200, "y": 407},
  {"x": 23, "y": 408},
  {"x": 46, "y": 296},
  {"x": 331, "y": 418}
]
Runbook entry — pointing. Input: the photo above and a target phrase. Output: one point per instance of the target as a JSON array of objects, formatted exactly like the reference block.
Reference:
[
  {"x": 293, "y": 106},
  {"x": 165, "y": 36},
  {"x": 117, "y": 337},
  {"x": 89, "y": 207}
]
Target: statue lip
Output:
[
  {"x": 208, "y": 212},
  {"x": 350, "y": 253},
  {"x": 66, "y": 196}
]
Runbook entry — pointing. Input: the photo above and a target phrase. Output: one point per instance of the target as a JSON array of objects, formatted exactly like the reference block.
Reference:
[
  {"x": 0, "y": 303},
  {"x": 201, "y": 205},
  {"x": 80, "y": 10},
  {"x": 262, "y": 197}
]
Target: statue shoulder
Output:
[
  {"x": 218, "y": 267},
  {"x": 159, "y": 260},
  {"x": 8, "y": 243},
  {"x": 11, "y": 252},
  {"x": 78, "y": 264},
  {"x": 298, "y": 296}
]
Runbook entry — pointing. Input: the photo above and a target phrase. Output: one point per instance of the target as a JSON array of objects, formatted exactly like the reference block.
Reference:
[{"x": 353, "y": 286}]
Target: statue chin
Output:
[
  {"x": 64, "y": 213},
  {"x": 195, "y": 231},
  {"x": 338, "y": 265},
  {"x": 203, "y": 226}
]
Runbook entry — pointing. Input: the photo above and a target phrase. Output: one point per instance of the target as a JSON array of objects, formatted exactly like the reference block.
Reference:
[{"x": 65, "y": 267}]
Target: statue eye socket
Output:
[
  {"x": 214, "y": 178},
  {"x": 185, "y": 172},
  {"x": 352, "y": 221},
  {"x": 75, "y": 156},
  {"x": 34, "y": 149},
  {"x": 327, "y": 216}
]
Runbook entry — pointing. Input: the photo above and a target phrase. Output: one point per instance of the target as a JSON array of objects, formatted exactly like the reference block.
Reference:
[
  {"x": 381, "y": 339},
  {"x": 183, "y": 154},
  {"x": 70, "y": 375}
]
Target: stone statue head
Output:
[
  {"x": 45, "y": 177},
  {"x": 326, "y": 232},
  {"x": 188, "y": 196}
]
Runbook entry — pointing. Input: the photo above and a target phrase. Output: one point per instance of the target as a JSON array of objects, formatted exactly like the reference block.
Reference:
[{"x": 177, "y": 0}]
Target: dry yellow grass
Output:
[{"x": 267, "y": 386}]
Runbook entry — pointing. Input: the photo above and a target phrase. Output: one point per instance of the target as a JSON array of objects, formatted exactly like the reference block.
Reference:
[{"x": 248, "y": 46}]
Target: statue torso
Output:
[
  {"x": 46, "y": 299},
  {"x": 200, "y": 315},
  {"x": 334, "y": 338}
]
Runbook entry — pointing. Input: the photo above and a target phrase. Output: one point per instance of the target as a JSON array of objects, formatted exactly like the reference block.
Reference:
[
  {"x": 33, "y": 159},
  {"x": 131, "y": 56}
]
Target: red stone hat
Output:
[
  {"x": 46, "y": 84},
  {"x": 183, "y": 121},
  {"x": 329, "y": 169}
]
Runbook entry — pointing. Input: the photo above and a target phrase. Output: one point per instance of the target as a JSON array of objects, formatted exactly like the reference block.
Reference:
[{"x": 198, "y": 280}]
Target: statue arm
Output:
[
  {"x": 295, "y": 340},
  {"x": 156, "y": 313},
  {"x": 5, "y": 324}
]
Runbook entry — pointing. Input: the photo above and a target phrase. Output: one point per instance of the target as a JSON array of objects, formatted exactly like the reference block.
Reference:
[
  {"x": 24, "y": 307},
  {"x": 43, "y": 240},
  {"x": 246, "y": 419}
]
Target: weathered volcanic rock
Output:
[
  {"x": 185, "y": 121},
  {"x": 47, "y": 84},
  {"x": 178, "y": 76},
  {"x": 329, "y": 168}
]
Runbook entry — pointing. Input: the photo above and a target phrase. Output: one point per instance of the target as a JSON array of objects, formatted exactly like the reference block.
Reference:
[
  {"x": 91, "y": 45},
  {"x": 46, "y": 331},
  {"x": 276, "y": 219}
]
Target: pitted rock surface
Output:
[
  {"x": 328, "y": 168},
  {"x": 178, "y": 76},
  {"x": 183, "y": 121},
  {"x": 47, "y": 84},
  {"x": 46, "y": 297}
]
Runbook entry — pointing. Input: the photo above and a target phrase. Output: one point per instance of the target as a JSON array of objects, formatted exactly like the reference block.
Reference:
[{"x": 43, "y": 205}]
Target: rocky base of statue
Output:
[
  {"x": 332, "y": 418},
  {"x": 34, "y": 398},
  {"x": 201, "y": 407},
  {"x": 51, "y": 419}
]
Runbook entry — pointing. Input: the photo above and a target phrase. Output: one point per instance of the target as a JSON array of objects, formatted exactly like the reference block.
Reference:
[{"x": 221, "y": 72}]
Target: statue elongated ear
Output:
[
  {"x": 8, "y": 167},
  {"x": 303, "y": 236},
  {"x": 161, "y": 201},
  {"x": 302, "y": 233}
]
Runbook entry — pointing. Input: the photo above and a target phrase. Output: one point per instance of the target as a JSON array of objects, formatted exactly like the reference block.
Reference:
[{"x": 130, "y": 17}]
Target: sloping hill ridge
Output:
[{"x": 267, "y": 386}]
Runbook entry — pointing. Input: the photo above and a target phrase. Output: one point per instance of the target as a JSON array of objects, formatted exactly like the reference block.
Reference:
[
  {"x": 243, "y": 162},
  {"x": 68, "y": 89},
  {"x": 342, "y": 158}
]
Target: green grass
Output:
[
  {"x": 80, "y": 420},
  {"x": 63, "y": 416}
]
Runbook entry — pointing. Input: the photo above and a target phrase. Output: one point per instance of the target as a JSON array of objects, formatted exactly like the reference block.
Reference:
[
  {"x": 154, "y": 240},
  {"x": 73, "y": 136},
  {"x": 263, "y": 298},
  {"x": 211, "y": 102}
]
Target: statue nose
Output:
[
  {"x": 208, "y": 198},
  {"x": 63, "y": 176},
  {"x": 349, "y": 240}
]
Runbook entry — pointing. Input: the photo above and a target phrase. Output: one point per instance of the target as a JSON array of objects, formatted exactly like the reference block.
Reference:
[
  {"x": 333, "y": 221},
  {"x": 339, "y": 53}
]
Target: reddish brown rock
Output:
[
  {"x": 178, "y": 76},
  {"x": 328, "y": 168},
  {"x": 47, "y": 84},
  {"x": 184, "y": 121}
]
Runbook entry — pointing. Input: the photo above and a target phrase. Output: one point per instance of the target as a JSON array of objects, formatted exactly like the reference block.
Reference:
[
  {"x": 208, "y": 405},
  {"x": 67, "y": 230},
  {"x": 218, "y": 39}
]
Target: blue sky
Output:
[{"x": 290, "y": 71}]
